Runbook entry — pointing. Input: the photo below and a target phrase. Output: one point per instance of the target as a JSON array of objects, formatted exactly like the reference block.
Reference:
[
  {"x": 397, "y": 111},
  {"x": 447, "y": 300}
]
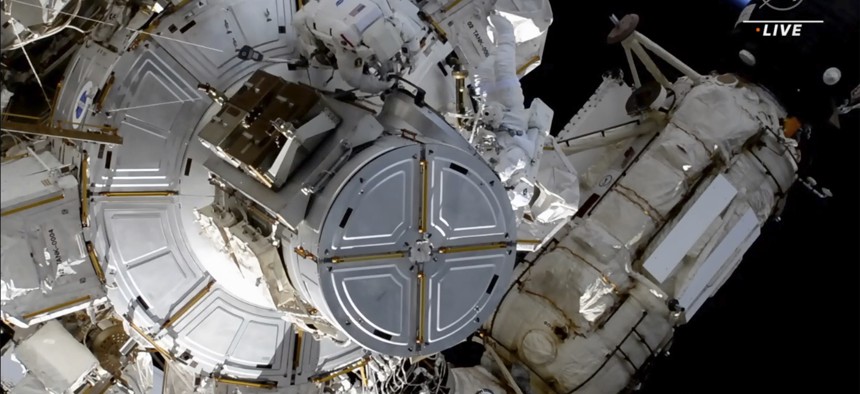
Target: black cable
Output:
[{"x": 418, "y": 95}]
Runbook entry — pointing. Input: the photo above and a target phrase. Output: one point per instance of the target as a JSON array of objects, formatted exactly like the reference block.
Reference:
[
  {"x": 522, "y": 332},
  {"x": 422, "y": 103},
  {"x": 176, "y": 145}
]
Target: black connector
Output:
[{"x": 248, "y": 53}]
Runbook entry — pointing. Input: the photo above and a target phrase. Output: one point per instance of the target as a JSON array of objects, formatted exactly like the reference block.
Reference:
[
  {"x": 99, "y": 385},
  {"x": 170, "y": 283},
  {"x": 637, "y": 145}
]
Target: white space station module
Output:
[{"x": 323, "y": 196}]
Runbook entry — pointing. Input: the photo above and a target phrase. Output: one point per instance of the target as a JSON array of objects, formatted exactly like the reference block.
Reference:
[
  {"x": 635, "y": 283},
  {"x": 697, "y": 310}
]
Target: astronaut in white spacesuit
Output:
[
  {"x": 520, "y": 133},
  {"x": 369, "y": 39}
]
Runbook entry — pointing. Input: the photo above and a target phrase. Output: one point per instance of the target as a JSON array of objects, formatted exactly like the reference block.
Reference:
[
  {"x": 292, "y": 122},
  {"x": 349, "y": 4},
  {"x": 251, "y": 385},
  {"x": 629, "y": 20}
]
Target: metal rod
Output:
[
  {"x": 57, "y": 307},
  {"x": 368, "y": 257},
  {"x": 443, "y": 36},
  {"x": 190, "y": 304},
  {"x": 297, "y": 348},
  {"x": 632, "y": 63},
  {"x": 32, "y": 205},
  {"x": 601, "y": 131},
  {"x": 247, "y": 383},
  {"x": 648, "y": 62},
  {"x": 332, "y": 375},
  {"x": 164, "y": 193},
  {"x": 151, "y": 341},
  {"x": 363, "y": 370},
  {"x": 56, "y": 96},
  {"x": 59, "y": 132},
  {"x": 561, "y": 156},
  {"x": 305, "y": 254},
  {"x": 668, "y": 57},
  {"x": 425, "y": 191},
  {"x": 155, "y": 104},
  {"x": 528, "y": 64},
  {"x": 94, "y": 260},
  {"x": 460, "y": 85},
  {"x": 451, "y": 5},
  {"x": 39, "y": 159},
  {"x": 422, "y": 306},
  {"x": 472, "y": 248},
  {"x": 14, "y": 115},
  {"x": 85, "y": 189}
]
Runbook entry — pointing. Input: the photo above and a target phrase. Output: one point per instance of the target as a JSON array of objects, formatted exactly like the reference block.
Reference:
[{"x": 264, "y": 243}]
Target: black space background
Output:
[{"x": 787, "y": 320}]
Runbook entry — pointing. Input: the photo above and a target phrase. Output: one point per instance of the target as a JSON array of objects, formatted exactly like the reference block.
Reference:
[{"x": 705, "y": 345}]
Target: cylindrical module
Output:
[{"x": 655, "y": 246}]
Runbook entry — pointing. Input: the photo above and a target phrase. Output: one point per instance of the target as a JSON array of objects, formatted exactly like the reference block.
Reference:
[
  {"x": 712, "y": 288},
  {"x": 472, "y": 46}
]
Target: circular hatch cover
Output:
[{"x": 418, "y": 250}]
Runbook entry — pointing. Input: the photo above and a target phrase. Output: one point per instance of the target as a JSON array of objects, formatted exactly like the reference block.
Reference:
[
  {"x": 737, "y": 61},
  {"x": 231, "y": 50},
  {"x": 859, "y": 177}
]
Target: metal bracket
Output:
[{"x": 322, "y": 178}]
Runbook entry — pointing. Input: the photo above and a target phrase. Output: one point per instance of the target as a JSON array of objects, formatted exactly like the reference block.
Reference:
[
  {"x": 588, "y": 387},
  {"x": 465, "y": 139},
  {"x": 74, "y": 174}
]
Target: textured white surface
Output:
[
  {"x": 39, "y": 354},
  {"x": 574, "y": 293},
  {"x": 44, "y": 260}
]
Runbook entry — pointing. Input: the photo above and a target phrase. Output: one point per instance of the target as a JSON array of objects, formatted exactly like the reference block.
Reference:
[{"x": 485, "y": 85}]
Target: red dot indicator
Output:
[{"x": 758, "y": 30}]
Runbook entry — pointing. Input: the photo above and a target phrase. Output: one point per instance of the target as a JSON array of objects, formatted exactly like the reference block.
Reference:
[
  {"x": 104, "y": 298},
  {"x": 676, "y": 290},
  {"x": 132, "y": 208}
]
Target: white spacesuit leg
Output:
[
  {"x": 405, "y": 19},
  {"x": 507, "y": 90},
  {"x": 519, "y": 133}
]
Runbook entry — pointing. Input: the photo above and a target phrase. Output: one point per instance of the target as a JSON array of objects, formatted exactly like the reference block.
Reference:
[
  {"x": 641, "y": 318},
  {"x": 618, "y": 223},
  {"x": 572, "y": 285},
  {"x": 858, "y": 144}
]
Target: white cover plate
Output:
[
  {"x": 666, "y": 257},
  {"x": 375, "y": 295},
  {"x": 155, "y": 105},
  {"x": 149, "y": 259},
  {"x": 149, "y": 255}
]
